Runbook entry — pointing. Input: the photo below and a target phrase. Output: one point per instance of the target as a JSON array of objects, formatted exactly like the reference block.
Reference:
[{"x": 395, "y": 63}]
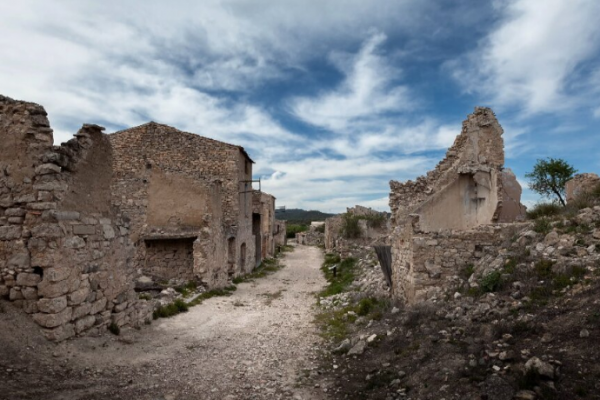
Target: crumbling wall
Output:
[
  {"x": 264, "y": 204},
  {"x": 580, "y": 184},
  {"x": 172, "y": 183},
  {"x": 280, "y": 234},
  {"x": 64, "y": 251},
  {"x": 441, "y": 221},
  {"x": 373, "y": 225}
]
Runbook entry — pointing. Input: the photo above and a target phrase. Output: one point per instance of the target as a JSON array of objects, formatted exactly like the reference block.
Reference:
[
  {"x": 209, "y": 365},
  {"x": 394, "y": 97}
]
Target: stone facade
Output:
[
  {"x": 64, "y": 251},
  {"x": 82, "y": 222},
  {"x": 449, "y": 208},
  {"x": 263, "y": 211},
  {"x": 177, "y": 186},
  {"x": 280, "y": 234}
]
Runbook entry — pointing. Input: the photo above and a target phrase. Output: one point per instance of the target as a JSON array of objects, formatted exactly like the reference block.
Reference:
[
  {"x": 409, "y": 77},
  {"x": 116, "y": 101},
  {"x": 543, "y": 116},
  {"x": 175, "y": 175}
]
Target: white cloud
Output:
[
  {"x": 367, "y": 92},
  {"x": 531, "y": 58}
]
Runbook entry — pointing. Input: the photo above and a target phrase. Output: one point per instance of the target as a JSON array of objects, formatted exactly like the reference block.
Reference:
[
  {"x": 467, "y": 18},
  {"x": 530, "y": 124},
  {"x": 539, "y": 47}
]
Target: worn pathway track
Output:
[{"x": 251, "y": 345}]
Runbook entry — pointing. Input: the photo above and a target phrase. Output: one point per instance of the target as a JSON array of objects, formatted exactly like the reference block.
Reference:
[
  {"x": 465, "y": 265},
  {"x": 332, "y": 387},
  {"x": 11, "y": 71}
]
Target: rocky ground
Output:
[
  {"x": 259, "y": 343},
  {"x": 523, "y": 325}
]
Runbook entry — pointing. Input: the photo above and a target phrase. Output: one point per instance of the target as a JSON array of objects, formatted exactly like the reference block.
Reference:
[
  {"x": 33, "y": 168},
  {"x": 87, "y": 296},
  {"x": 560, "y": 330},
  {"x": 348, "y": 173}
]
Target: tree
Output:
[{"x": 549, "y": 176}]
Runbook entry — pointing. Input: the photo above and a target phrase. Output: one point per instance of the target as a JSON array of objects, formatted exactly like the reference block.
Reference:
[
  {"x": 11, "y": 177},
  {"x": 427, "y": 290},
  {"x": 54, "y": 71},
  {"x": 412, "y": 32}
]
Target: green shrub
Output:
[
  {"x": 344, "y": 277},
  {"x": 350, "y": 228},
  {"x": 542, "y": 225},
  {"x": 491, "y": 282},
  {"x": 114, "y": 329},
  {"x": 544, "y": 210},
  {"x": 292, "y": 229},
  {"x": 169, "y": 310}
]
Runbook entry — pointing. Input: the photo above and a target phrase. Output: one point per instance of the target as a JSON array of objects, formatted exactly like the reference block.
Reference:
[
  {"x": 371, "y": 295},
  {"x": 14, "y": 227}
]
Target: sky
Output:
[{"x": 331, "y": 98}]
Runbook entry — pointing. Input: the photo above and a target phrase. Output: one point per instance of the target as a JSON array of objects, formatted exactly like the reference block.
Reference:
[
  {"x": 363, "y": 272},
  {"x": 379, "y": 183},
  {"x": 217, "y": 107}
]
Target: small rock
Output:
[
  {"x": 584, "y": 333},
  {"x": 541, "y": 367}
]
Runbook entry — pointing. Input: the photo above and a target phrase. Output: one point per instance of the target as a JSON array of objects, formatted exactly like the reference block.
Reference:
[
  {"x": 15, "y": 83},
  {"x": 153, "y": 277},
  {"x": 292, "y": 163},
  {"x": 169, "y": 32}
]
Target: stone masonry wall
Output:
[
  {"x": 170, "y": 182},
  {"x": 264, "y": 204},
  {"x": 64, "y": 251},
  {"x": 446, "y": 220},
  {"x": 280, "y": 234},
  {"x": 426, "y": 264}
]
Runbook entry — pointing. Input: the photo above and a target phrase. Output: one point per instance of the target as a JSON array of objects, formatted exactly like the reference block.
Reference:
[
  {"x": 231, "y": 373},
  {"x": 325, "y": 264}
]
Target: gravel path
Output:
[{"x": 255, "y": 344}]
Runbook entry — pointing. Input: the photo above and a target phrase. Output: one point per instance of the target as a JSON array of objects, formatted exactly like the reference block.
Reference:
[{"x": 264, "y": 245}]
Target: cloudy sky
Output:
[{"x": 331, "y": 98}]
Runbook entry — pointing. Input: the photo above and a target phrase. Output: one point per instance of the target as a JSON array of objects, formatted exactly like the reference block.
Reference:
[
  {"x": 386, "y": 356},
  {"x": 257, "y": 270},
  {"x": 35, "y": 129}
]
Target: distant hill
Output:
[{"x": 301, "y": 217}]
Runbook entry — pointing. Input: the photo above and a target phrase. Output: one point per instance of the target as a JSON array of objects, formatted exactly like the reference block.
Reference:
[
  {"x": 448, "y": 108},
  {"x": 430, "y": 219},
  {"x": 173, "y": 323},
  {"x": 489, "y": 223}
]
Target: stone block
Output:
[
  {"x": 57, "y": 274},
  {"x": 19, "y": 261},
  {"x": 4, "y": 290},
  {"x": 49, "y": 231},
  {"x": 81, "y": 310},
  {"x": 46, "y": 169},
  {"x": 74, "y": 242},
  {"x": 52, "y": 306},
  {"x": 42, "y": 206},
  {"x": 15, "y": 212},
  {"x": 53, "y": 289},
  {"x": 15, "y": 294},
  {"x": 78, "y": 296},
  {"x": 84, "y": 323},
  {"x": 53, "y": 320},
  {"x": 30, "y": 306},
  {"x": 84, "y": 229},
  {"x": 108, "y": 232},
  {"x": 25, "y": 279},
  {"x": 10, "y": 232},
  {"x": 98, "y": 306},
  {"x": 66, "y": 215},
  {"x": 59, "y": 334},
  {"x": 29, "y": 293}
]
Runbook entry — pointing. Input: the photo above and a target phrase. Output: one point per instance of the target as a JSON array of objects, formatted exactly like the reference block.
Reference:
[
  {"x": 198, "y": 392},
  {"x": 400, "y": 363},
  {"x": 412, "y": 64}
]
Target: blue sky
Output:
[{"x": 332, "y": 98}]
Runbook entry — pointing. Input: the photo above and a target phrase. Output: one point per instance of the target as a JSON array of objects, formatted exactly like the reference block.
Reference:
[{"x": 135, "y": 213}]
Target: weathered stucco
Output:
[{"x": 468, "y": 190}]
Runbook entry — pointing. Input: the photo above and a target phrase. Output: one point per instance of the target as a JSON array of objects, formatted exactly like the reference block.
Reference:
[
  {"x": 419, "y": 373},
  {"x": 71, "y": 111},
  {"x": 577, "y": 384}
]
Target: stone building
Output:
[
  {"x": 81, "y": 222},
  {"x": 263, "y": 224},
  {"x": 190, "y": 202},
  {"x": 64, "y": 250},
  {"x": 581, "y": 184},
  {"x": 445, "y": 220}
]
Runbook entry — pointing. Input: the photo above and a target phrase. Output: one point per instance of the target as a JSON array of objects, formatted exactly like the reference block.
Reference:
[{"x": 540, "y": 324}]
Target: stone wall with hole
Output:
[
  {"x": 467, "y": 190},
  {"x": 65, "y": 252},
  {"x": 173, "y": 184}
]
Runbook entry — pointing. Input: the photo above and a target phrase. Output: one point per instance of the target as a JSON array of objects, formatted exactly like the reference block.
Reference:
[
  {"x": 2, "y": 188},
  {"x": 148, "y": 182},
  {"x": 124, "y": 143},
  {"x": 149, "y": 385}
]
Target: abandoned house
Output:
[
  {"x": 190, "y": 203},
  {"x": 81, "y": 222},
  {"x": 454, "y": 215}
]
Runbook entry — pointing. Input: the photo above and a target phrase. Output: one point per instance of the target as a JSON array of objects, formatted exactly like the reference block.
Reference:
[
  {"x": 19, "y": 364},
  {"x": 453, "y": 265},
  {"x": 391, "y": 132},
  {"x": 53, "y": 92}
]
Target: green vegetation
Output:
[
  {"x": 296, "y": 216},
  {"x": 169, "y": 310},
  {"x": 542, "y": 225},
  {"x": 188, "y": 289},
  {"x": 350, "y": 228},
  {"x": 145, "y": 296},
  {"x": 267, "y": 267},
  {"x": 491, "y": 282},
  {"x": 549, "y": 177},
  {"x": 544, "y": 210},
  {"x": 292, "y": 229},
  {"x": 344, "y": 277},
  {"x": 114, "y": 329}
]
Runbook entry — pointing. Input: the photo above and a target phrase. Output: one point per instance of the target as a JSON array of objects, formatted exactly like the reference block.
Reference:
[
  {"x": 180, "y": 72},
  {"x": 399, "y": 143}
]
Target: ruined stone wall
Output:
[
  {"x": 442, "y": 221},
  {"x": 425, "y": 264},
  {"x": 64, "y": 251},
  {"x": 170, "y": 182},
  {"x": 580, "y": 184},
  {"x": 280, "y": 234},
  {"x": 333, "y": 226},
  {"x": 478, "y": 150},
  {"x": 264, "y": 204}
]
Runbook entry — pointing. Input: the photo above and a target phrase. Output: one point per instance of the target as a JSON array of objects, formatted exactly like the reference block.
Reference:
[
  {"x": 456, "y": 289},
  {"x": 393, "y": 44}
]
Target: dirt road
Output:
[{"x": 255, "y": 344}]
